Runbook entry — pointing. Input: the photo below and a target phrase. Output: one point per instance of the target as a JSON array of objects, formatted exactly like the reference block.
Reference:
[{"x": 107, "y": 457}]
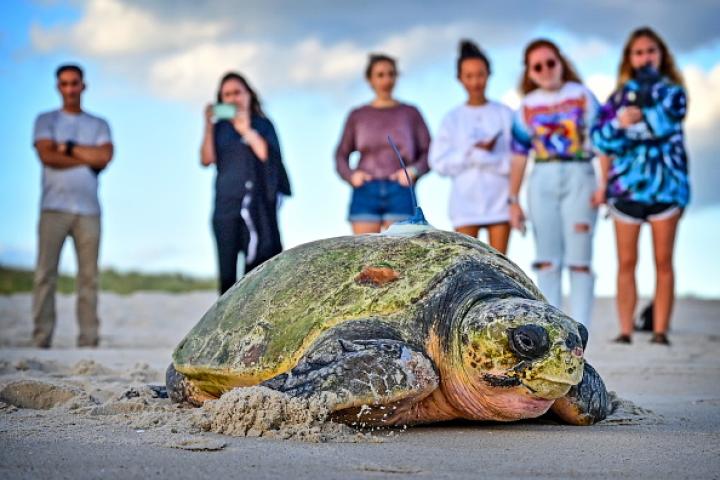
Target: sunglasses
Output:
[{"x": 549, "y": 64}]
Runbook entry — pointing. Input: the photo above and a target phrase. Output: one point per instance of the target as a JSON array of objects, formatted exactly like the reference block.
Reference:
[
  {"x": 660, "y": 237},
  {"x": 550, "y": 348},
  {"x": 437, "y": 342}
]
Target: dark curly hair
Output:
[{"x": 468, "y": 50}]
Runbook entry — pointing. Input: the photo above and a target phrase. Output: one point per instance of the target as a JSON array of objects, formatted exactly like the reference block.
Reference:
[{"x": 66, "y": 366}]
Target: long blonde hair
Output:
[
  {"x": 568, "y": 75},
  {"x": 667, "y": 61}
]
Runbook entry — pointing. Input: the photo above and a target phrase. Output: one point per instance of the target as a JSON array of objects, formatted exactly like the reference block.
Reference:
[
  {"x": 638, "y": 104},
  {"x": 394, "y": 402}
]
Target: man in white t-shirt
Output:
[{"x": 73, "y": 147}]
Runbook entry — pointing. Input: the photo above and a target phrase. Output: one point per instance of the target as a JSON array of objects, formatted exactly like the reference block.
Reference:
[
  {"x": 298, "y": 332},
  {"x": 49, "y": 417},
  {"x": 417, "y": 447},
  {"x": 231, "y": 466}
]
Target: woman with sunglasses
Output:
[
  {"x": 647, "y": 179},
  {"x": 552, "y": 125},
  {"x": 473, "y": 147},
  {"x": 250, "y": 178},
  {"x": 381, "y": 192}
]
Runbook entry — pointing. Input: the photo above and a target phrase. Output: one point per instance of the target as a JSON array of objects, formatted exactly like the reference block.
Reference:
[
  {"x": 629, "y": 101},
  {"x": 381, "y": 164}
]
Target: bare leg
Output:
[
  {"x": 365, "y": 227},
  {"x": 499, "y": 236},
  {"x": 386, "y": 224},
  {"x": 470, "y": 230},
  {"x": 663, "y": 234},
  {"x": 626, "y": 239}
]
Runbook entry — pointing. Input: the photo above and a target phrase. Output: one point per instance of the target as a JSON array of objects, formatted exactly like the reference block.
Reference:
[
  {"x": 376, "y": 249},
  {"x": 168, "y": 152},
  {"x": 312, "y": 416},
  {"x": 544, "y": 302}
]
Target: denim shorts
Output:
[
  {"x": 380, "y": 201},
  {"x": 628, "y": 211}
]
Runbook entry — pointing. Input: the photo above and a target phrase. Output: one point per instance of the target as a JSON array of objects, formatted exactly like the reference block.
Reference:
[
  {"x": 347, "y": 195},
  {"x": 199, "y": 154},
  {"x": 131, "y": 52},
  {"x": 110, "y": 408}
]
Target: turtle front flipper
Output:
[
  {"x": 180, "y": 389},
  {"x": 363, "y": 380},
  {"x": 586, "y": 403}
]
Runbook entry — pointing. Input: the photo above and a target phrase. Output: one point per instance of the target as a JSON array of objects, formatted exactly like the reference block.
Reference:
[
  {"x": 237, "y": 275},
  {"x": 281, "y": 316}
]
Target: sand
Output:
[{"x": 85, "y": 413}]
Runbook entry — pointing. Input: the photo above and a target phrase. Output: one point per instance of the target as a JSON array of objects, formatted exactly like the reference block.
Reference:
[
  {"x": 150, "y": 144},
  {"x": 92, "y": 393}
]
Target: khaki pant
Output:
[{"x": 54, "y": 227}]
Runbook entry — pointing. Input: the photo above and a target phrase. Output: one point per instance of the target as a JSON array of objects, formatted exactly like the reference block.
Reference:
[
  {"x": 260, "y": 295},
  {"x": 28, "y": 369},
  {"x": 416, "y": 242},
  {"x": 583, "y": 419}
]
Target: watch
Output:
[
  {"x": 69, "y": 145},
  {"x": 512, "y": 200}
]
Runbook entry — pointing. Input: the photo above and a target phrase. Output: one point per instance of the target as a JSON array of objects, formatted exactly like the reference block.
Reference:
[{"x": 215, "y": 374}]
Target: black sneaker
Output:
[
  {"x": 644, "y": 321},
  {"x": 660, "y": 338},
  {"x": 625, "y": 339}
]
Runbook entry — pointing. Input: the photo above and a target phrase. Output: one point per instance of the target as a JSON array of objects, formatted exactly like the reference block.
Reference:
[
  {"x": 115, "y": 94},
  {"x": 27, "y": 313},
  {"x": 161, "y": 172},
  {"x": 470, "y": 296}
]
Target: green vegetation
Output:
[{"x": 13, "y": 280}]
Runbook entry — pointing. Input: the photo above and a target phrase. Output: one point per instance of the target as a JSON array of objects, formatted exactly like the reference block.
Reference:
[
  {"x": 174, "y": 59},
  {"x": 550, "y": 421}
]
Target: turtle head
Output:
[{"x": 518, "y": 355}]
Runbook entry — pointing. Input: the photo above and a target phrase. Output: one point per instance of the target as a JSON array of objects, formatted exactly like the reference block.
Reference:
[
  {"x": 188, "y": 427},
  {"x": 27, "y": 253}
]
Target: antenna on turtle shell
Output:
[{"x": 418, "y": 218}]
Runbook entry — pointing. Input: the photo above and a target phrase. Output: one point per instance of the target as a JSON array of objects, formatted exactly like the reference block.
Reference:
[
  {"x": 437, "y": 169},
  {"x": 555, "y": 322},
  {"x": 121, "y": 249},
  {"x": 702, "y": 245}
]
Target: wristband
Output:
[{"x": 69, "y": 148}]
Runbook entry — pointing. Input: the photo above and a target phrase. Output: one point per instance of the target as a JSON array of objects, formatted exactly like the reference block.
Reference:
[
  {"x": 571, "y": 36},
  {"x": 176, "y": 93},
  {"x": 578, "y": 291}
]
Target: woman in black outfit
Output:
[{"x": 250, "y": 177}]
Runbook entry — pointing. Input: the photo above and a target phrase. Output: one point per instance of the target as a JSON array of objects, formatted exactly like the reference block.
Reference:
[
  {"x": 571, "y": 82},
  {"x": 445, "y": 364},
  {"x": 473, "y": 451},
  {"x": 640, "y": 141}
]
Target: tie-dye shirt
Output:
[
  {"x": 649, "y": 161},
  {"x": 554, "y": 125}
]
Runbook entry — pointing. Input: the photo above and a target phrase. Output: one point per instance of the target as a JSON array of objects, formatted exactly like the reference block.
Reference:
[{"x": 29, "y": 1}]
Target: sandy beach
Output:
[{"x": 88, "y": 413}]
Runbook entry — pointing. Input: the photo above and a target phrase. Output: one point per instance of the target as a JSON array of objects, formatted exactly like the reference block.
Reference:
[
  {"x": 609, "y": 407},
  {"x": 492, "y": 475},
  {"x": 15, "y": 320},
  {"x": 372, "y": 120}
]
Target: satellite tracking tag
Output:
[{"x": 418, "y": 218}]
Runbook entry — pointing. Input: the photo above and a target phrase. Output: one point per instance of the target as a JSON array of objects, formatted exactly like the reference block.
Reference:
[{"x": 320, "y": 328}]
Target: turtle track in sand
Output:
[
  {"x": 59, "y": 396},
  {"x": 36, "y": 395}
]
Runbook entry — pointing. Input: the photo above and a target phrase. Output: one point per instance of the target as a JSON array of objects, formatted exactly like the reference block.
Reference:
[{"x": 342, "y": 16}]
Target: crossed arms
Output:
[{"x": 55, "y": 155}]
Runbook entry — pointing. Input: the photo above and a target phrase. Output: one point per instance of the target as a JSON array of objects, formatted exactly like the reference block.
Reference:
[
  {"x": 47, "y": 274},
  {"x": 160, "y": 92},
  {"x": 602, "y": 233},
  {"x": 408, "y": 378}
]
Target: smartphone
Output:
[
  {"x": 495, "y": 137},
  {"x": 224, "y": 111},
  {"x": 490, "y": 143}
]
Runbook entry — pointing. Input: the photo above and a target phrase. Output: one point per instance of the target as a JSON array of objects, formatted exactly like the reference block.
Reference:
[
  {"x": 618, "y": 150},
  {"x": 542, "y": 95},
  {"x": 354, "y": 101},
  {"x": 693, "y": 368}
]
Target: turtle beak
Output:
[
  {"x": 548, "y": 370},
  {"x": 553, "y": 376}
]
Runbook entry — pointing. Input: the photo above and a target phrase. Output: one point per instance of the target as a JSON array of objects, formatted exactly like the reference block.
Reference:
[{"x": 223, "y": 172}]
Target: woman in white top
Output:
[{"x": 473, "y": 147}]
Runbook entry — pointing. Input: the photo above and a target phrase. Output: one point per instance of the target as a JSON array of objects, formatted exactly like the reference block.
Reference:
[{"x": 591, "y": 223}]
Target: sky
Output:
[{"x": 151, "y": 67}]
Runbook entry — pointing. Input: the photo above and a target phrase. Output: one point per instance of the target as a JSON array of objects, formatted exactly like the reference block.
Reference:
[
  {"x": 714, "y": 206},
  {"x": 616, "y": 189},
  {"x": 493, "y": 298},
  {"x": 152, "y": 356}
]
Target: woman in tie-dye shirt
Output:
[
  {"x": 552, "y": 126},
  {"x": 647, "y": 177}
]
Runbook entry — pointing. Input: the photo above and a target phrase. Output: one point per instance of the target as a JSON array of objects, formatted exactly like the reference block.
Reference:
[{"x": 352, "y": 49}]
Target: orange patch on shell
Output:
[{"x": 377, "y": 276}]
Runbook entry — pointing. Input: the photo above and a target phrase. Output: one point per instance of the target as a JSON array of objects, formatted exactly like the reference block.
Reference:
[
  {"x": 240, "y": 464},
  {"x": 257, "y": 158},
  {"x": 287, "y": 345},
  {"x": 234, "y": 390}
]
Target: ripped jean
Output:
[{"x": 563, "y": 223}]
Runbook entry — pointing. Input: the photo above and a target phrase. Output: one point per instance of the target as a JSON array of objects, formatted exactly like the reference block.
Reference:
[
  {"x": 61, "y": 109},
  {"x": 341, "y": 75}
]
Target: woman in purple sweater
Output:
[{"x": 381, "y": 194}]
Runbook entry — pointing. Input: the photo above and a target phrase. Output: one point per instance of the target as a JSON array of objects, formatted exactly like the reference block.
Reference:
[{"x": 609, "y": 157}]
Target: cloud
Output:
[
  {"x": 180, "y": 76},
  {"x": 704, "y": 100},
  {"x": 190, "y": 74},
  {"x": 685, "y": 25},
  {"x": 112, "y": 28},
  {"x": 511, "y": 98},
  {"x": 116, "y": 27},
  {"x": 601, "y": 85},
  {"x": 587, "y": 50},
  {"x": 702, "y": 126},
  {"x": 179, "y": 49},
  {"x": 309, "y": 63}
]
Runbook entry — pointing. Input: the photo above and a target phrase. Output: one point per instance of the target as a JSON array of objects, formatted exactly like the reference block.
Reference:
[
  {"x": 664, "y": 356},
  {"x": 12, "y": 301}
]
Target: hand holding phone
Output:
[
  {"x": 489, "y": 145},
  {"x": 241, "y": 122}
]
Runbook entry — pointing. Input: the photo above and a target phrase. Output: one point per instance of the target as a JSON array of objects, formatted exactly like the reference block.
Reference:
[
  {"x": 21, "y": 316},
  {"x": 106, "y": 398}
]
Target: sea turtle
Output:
[{"x": 411, "y": 326}]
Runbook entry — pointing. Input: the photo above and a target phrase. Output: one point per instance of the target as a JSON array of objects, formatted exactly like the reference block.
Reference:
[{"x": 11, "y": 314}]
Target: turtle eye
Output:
[{"x": 529, "y": 341}]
